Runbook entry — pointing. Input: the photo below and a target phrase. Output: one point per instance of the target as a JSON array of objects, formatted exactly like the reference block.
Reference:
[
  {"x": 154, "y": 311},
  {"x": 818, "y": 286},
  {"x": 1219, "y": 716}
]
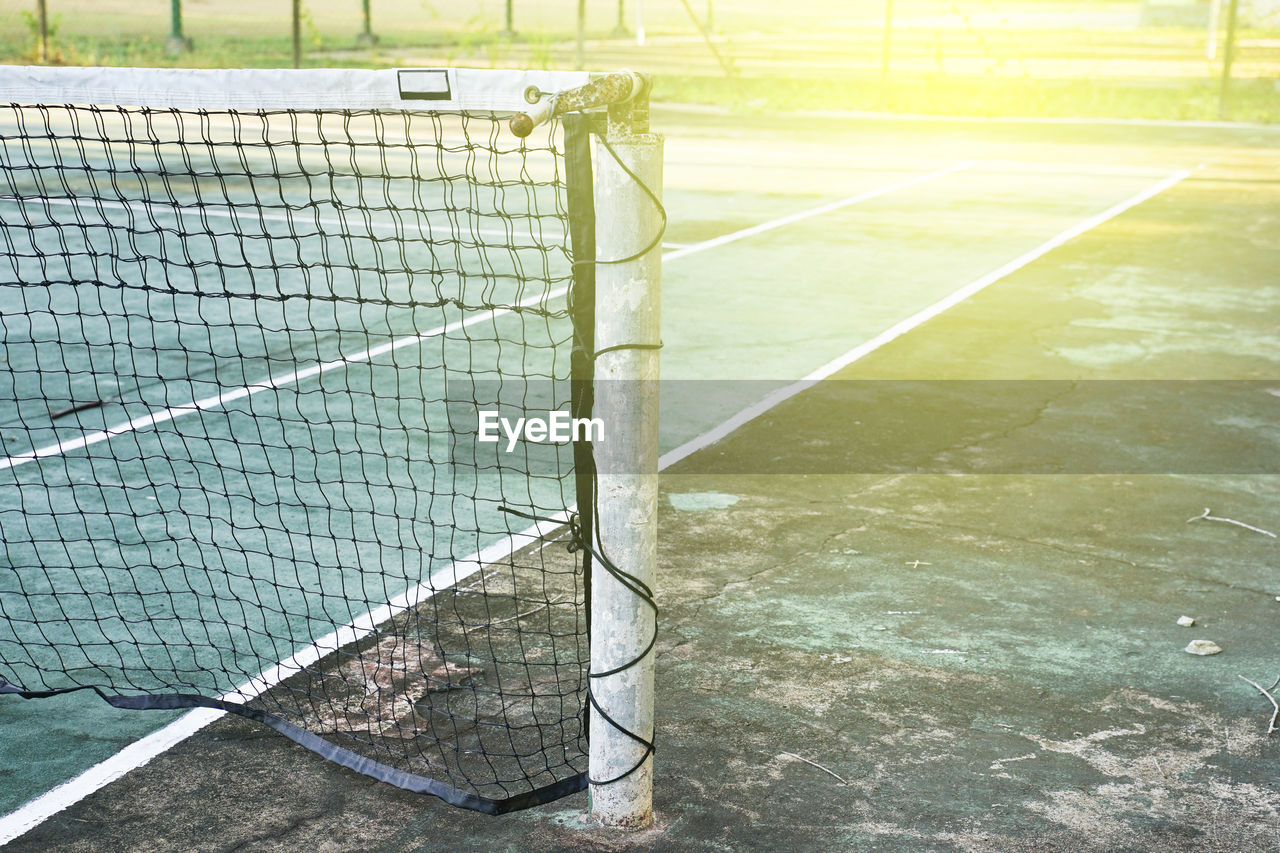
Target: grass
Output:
[
  {"x": 1250, "y": 100},
  {"x": 970, "y": 57}
]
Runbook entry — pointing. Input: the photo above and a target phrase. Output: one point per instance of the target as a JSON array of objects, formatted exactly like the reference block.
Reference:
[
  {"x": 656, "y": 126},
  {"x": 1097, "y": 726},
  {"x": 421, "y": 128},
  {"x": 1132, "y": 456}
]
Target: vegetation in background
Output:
[{"x": 1038, "y": 58}]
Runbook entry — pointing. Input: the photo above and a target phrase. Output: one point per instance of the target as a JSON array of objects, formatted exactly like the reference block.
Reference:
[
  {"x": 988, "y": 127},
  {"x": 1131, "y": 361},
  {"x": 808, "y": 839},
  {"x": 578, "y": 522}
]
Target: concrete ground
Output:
[{"x": 874, "y": 659}]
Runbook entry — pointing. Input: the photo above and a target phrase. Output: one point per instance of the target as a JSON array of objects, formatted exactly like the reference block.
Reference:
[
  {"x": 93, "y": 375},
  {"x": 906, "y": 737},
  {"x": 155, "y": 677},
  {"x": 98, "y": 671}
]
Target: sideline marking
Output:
[
  {"x": 140, "y": 752},
  {"x": 743, "y": 234},
  {"x": 284, "y": 380},
  {"x": 752, "y": 412}
]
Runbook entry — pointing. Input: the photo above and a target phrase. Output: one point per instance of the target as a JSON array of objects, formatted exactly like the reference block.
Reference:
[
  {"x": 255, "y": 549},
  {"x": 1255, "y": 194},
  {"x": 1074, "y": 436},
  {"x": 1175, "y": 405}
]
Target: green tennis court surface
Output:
[
  {"x": 972, "y": 661},
  {"x": 213, "y": 321}
]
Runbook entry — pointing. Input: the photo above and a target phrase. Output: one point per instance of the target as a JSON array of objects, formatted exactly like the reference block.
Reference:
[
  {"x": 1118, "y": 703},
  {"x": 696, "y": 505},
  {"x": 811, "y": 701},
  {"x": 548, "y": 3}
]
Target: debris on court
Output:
[
  {"x": 828, "y": 771},
  {"x": 1186, "y": 621},
  {"x": 1205, "y": 516},
  {"x": 1203, "y": 647},
  {"x": 1271, "y": 697},
  {"x": 384, "y": 683}
]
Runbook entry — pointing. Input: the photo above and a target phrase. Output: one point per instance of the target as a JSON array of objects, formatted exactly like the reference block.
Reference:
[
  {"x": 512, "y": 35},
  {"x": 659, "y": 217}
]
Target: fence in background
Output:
[{"x": 1115, "y": 58}]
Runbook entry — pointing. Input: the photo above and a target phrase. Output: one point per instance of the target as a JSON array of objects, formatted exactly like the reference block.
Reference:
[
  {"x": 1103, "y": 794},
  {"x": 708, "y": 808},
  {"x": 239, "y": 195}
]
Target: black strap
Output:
[{"x": 337, "y": 754}]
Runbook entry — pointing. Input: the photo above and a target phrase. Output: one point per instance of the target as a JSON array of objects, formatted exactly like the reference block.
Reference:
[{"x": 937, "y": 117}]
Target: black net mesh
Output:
[{"x": 243, "y": 354}]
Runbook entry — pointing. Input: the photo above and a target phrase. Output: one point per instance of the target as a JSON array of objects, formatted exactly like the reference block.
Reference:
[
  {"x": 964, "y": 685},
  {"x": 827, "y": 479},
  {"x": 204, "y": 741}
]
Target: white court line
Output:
[
  {"x": 752, "y": 412},
  {"x": 814, "y": 211},
  {"x": 155, "y": 418},
  {"x": 282, "y": 380},
  {"x": 140, "y": 752}
]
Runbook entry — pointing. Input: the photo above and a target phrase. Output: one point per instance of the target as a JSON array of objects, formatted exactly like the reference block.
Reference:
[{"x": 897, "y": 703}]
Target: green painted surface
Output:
[{"x": 919, "y": 635}]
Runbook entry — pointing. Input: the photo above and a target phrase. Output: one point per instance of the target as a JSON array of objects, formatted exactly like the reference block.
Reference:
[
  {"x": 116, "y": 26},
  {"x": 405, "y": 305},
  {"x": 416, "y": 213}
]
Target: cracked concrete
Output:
[{"x": 989, "y": 662}]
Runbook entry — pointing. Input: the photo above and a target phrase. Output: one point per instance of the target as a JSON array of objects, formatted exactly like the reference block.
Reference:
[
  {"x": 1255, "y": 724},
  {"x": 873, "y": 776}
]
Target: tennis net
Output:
[{"x": 248, "y": 319}]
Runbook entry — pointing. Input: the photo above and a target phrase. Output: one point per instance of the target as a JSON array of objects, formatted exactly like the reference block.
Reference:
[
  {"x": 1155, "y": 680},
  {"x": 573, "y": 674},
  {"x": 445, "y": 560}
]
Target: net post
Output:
[{"x": 623, "y": 619}]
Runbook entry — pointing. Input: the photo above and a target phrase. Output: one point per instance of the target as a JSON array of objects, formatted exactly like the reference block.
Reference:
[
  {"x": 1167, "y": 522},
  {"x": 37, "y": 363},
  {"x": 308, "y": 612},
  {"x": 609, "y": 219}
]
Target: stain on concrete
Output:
[{"x": 700, "y": 501}]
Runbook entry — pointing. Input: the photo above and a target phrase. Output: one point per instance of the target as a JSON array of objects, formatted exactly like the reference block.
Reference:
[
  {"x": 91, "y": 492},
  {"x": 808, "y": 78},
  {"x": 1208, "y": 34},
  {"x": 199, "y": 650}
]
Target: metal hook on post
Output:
[{"x": 608, "y": 90}]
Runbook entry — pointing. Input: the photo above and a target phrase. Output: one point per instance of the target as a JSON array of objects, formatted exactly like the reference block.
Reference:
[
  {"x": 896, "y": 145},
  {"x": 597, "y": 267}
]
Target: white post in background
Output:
[
  {"x": 1215, "y": 12},
  {"x": 640, "y": 23},
  {"x": 626, "y": 399}
]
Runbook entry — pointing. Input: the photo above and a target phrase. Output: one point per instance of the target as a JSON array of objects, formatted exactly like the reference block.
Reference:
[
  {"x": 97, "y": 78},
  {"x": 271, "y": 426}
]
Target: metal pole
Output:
[
  {"x": 640, "y": 23},
  {"x": 1228, "y": 56},
  {"x": 1215, "y": 13},
  {"x": 366, "y": 27},
  {"x": 177, "y": 41},
  {"x": 297, "y": 33},
  {"x": 885, "y": 50},
  {"x": 509, "y": 28},
  {"x": 582, "y": 33},
  {"x": 711, "y": 18},
  {"x": 626, "y": 400},
  {"x": 620, "y": 30},
  {"x": 711, "y": 45},
  {"x": 43, "y": 49}
]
